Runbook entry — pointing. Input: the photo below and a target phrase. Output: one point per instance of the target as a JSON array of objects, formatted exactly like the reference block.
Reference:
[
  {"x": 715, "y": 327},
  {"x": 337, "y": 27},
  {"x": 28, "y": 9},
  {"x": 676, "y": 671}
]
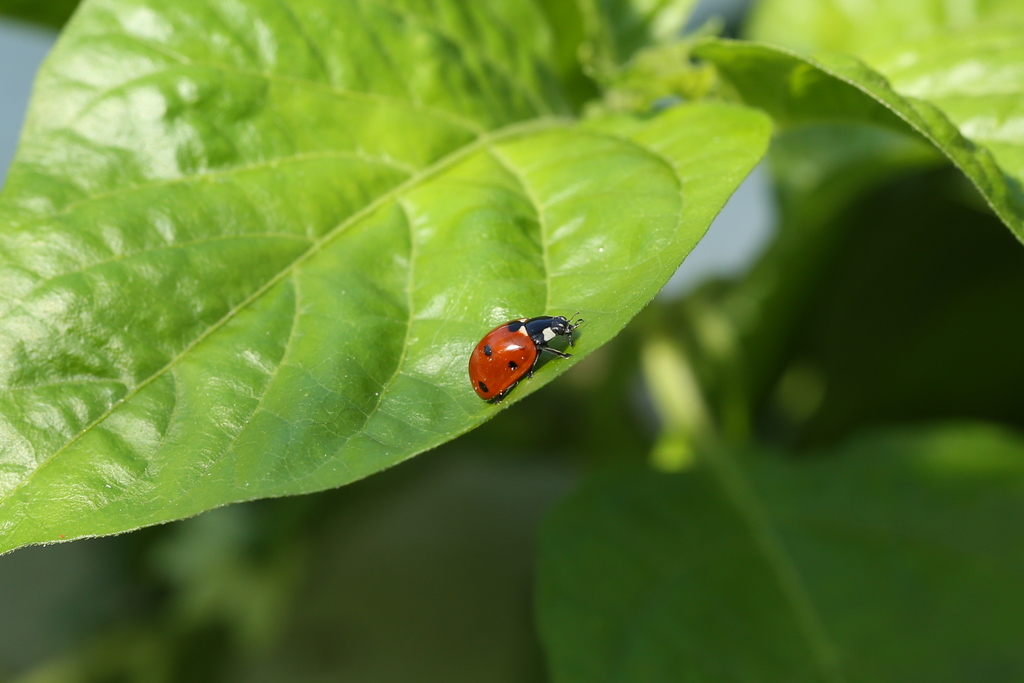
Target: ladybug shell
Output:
[{"x": 500, "y": 360}]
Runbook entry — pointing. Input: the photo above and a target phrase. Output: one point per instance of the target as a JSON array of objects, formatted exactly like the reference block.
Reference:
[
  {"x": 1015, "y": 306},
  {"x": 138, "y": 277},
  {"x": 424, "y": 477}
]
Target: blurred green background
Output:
[
  {"x": 866, "y": 286},
  {"x": 422, "y": 573}
]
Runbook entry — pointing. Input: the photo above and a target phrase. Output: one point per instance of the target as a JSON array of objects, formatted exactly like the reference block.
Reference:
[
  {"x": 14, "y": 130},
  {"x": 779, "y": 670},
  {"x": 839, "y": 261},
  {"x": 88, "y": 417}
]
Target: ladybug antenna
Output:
[{"x": 571, "y": 326}]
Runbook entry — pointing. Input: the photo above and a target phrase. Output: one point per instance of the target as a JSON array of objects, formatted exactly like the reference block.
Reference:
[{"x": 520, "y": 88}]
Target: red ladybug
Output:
[{"x": 510, "y": 351}]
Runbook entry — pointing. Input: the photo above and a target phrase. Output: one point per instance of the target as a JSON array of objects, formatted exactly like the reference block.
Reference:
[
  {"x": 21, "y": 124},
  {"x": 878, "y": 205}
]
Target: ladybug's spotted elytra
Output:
[{"x": 510, "y": 351}]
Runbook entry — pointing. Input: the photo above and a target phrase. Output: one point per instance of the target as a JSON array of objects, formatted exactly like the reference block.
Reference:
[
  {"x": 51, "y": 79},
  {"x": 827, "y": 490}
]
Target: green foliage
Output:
[
  {"x": 883, "y": 299},
  {"x": 270, "y": 276},
  {"x": 246, "y": 249},
  {"x": 893, "y": 557}
]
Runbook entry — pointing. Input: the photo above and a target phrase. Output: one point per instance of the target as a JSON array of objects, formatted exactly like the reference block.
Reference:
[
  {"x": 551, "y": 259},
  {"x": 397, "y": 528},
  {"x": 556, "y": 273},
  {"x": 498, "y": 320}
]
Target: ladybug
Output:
[{"x": 510, "y": 352}]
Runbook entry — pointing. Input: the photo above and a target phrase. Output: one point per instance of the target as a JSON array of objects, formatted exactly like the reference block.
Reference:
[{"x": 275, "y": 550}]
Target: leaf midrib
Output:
[
  {"x": 541, "y": 223},
  {"x": 187, "y": 181},
  {"x": 410, "y": 315},
  {"x": 739, "y": 491},
  {"x": 205, "y": 175},
  {"x": 445, "y": 162}
]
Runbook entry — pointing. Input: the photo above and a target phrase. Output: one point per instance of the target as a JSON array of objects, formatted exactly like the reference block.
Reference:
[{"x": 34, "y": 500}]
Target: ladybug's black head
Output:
[{"x": 565, "y": 326}]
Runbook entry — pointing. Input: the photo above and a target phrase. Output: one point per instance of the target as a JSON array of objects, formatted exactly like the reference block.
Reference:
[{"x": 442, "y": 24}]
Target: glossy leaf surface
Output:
[
  {"x": 893, "y": 558},
  {"x": 246, "y": 249}
]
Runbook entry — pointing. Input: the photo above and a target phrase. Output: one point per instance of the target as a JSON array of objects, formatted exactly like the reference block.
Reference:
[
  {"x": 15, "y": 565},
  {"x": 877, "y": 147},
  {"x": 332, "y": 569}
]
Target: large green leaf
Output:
[
  {"x": 245, "y": 250},
  {"x": 800, "y": 90},
  {"x": 897, "y": 558}
]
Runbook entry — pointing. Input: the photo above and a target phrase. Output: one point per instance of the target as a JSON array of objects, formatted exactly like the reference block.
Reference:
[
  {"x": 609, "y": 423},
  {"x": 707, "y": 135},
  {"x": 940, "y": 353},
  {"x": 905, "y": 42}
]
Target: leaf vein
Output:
[
  {"x": 219, "y": 173},
  {"x": 442, "y": 164},
  {"x": 20, "y": 303},
  {"x": 410, "y": 316},
  {"x": 296, "y": 312},
  {"x": 314, "y": 49},
  {"x": 540, "y": 106},
  {"x": 767, "y": 539},
  {"x": 541, "y": 222},
  {"x": 378, "y": 98}
]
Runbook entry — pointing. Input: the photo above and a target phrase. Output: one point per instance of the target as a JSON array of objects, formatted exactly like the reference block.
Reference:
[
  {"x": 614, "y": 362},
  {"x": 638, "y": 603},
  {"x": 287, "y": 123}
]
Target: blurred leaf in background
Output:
[
  {"x": 895, "y": 557},
  {"x": 821, "y": 172},
  {"x": 421, "y": 574}
]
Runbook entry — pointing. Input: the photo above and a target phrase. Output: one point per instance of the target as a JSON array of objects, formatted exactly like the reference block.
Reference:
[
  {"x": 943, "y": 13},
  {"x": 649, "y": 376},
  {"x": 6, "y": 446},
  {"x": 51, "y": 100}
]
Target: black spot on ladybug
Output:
[
  {"x": 483, "y": 387},
  {"x": 514, "y": 326},
  {"x": 487, "y": 350},
  {"x": 512, "y": 365}
]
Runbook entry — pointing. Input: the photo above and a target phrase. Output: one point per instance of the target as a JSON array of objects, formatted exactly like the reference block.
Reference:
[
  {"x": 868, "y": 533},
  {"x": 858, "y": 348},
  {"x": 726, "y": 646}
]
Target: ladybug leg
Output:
[
  {"x": 497, "y": 399},
  {"x": 556, "y": 352},
  {"x": 536, "y": 361}
]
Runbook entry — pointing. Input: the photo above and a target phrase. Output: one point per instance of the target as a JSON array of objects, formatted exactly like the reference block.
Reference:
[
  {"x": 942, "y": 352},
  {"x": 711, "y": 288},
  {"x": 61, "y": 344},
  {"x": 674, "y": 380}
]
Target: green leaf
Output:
[
  {"x": 965, "y": 58},
  {"x": 896, "y": 558},
  {"x": 857, "y": 26},
  {"x": 245, "y": 250},
  {"x": 593, "y": 37},
  {"x": 52, "y": 13},
  {"x": 823, "y": 164},
  {"x": 976, "y": 78},
  {"x": 799, "y": 90}
]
